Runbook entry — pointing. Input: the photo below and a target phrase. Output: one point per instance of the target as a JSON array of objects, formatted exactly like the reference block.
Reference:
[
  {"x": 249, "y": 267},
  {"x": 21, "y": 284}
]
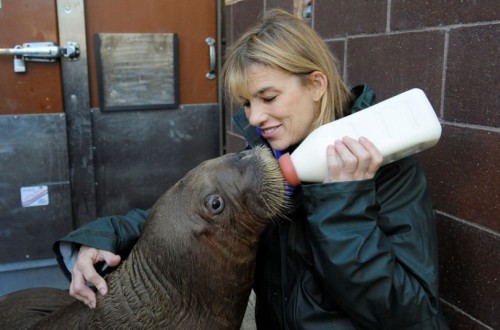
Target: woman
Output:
[{"x": 360, "y": 251}]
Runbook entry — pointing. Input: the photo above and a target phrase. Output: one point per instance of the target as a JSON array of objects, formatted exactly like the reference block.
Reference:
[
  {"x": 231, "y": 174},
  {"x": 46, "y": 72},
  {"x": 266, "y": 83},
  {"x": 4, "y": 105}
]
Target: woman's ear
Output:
[{"x": 319, "y": 84}]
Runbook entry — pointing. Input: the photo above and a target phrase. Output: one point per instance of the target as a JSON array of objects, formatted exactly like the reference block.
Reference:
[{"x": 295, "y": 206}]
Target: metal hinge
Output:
[{"x": 40, "y": 52}]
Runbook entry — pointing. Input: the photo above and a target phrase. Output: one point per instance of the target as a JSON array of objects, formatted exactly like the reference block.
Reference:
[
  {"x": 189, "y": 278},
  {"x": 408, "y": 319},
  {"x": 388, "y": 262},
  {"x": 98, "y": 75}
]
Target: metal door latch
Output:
[{"x": 40, "y": 52}]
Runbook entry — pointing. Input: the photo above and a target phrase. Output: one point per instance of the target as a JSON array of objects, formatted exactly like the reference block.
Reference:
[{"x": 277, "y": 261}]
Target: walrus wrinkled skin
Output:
[{"x": 192, "y": 267}]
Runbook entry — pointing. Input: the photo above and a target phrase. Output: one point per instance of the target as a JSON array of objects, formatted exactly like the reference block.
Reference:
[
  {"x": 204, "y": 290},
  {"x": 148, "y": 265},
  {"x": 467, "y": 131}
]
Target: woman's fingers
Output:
[
  {"x": 375, "y": 155},
  {"x": 352, "y": 160},
  {"x": 84, "y": 272},
  {"x": 334, "y": 163},
  {"x": 79, "y": 290}
]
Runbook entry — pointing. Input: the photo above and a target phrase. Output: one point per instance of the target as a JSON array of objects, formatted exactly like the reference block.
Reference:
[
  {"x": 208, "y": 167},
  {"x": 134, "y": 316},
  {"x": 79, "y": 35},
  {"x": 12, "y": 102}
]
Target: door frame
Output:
[{"x": 76, "y": 100}]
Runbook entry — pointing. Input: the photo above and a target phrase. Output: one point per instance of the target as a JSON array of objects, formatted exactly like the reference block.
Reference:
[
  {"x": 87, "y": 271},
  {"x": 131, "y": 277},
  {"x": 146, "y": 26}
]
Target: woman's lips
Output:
[{"x": 269, "y": 132}]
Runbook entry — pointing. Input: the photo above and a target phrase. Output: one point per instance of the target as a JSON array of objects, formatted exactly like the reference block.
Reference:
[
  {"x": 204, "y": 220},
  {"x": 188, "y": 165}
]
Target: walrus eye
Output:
[{"x": 215, "y": 204}]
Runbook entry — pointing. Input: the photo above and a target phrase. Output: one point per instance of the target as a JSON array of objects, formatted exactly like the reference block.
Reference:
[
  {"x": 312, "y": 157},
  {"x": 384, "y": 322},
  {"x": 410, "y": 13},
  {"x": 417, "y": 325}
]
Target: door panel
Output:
[
  {"x": 192, "y": 20},
  {"x": 33, "y": 154},
  {"x": 39, "y": 89},
  {"x": 142, "y": 153}
]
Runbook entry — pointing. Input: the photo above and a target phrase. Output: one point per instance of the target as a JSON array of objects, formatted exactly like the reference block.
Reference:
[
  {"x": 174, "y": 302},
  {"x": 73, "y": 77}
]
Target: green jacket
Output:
[{"x": 355, "y": 255}]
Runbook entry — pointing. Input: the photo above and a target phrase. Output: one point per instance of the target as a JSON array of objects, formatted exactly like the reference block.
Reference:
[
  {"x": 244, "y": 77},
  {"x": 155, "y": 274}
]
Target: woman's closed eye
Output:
[{"x": 269, "y": 99}]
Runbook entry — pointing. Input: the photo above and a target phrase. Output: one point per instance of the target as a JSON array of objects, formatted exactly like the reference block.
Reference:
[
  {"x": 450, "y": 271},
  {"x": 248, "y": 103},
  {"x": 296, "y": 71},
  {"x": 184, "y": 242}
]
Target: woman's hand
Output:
[
  {"x": 84, "y": 272},
  {"x": 351, "y": 160}
]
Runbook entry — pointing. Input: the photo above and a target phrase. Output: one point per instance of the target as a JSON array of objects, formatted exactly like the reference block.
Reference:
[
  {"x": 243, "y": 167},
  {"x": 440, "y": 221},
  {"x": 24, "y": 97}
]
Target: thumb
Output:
[{"x": 110, "y": 258}]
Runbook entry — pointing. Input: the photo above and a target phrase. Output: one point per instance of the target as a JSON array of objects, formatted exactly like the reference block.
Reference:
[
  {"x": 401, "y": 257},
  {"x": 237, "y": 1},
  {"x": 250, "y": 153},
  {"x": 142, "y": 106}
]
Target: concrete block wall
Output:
[{"x": 451, "y": 50}]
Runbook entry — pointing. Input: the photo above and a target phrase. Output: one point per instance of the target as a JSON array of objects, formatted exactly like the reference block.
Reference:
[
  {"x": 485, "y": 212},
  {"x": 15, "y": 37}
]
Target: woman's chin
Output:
[{"x": 279, "y": 146}]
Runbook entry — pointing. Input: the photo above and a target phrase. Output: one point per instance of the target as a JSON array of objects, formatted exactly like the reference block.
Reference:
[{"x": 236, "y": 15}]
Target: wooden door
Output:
[
  {"x": 35, "y": 205},
  {"x": 64, "y": 160},
  {"x": 140, "y": 153}
]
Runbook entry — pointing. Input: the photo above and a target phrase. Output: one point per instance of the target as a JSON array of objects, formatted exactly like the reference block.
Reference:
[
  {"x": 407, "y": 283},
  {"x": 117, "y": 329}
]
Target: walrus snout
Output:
[{"x": 263, "y": 179}]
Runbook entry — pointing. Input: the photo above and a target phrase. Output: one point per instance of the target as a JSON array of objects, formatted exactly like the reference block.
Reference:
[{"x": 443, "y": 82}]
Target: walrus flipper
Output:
[{"x": 23, "y": 309}]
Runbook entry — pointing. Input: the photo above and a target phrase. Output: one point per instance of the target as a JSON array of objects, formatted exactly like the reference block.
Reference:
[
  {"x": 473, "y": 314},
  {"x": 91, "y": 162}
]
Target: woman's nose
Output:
[{"x": 256, "y": 115}]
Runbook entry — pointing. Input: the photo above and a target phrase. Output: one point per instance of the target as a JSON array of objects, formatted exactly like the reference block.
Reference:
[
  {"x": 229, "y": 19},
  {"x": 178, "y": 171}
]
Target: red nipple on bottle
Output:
[{"x": 288, "y": 170}]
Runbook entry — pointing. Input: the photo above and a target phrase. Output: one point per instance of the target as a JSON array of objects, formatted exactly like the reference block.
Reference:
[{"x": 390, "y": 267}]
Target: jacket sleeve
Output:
[
  {"x": 116, "y": 234},
  {"x": 374, "y": 246}
]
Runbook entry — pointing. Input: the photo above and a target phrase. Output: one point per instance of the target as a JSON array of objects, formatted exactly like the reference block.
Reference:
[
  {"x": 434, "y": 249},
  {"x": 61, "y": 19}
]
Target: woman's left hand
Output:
[{"x": 352, "y": 160}]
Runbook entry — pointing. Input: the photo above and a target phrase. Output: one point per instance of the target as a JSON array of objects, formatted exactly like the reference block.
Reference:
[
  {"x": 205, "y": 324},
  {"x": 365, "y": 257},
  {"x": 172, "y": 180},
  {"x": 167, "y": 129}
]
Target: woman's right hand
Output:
[
  {"x": 352, "y": 160},
  {"x": 84, "y": 272}
]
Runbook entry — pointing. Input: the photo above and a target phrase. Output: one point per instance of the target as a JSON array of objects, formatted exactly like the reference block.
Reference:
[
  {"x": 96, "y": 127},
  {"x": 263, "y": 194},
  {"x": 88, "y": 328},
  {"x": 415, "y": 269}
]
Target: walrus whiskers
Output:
[{"x": 274, "y": 178}]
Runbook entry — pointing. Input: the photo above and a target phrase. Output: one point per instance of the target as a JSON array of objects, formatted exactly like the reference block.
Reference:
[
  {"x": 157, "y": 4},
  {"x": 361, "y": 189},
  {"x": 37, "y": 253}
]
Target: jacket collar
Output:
[{"x": 363, "y": 97}]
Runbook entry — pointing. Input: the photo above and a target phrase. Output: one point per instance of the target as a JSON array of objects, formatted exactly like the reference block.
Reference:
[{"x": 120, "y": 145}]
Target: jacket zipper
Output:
[{"x": 283, "y": 234}]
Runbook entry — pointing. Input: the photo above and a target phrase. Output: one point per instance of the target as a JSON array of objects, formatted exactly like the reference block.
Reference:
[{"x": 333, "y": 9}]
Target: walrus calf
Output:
[{"x": 192, "y": 267}]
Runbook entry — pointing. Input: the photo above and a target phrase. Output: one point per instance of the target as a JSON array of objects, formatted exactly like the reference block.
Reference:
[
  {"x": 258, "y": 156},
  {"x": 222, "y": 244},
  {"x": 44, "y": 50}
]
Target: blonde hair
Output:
[{"x": 283, "y": 41}]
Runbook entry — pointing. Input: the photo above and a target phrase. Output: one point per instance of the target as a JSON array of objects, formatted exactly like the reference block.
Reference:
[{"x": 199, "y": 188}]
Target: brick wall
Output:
[{"x": 450, "y": 49}]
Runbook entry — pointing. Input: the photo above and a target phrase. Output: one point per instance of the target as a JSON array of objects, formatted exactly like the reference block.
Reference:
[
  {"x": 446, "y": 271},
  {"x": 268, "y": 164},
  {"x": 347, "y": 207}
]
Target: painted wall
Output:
[{"x": 450, "y": 49}]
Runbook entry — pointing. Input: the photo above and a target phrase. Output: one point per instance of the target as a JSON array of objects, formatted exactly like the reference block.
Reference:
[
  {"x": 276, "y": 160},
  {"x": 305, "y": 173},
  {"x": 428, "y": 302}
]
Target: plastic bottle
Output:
[{"x": 399, "y": 126}]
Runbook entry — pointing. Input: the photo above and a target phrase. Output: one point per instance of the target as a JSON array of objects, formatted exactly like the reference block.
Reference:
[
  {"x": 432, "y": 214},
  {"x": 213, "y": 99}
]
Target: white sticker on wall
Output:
[{"x": 34, "y": 196}]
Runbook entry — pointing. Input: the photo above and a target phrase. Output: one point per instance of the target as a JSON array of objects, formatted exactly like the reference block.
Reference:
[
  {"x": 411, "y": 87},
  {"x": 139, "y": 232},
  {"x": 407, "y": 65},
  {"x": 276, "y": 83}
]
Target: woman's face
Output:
[{"x": 280, "y": 105}]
